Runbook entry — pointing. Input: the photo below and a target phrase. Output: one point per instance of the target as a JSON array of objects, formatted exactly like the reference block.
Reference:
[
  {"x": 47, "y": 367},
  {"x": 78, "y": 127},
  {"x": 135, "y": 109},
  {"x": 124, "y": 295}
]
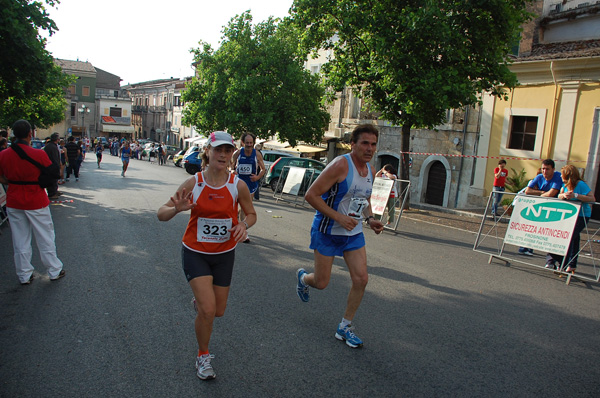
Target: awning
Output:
[
  {"x": 114, "y": 128},
  {"x": 196, "y": 138},
  {"x": 199, "y": 141},
  {"x": 306, "y": 149},
  {"x": 275, "y": 145},
  {"x": 286, "y": 147}
]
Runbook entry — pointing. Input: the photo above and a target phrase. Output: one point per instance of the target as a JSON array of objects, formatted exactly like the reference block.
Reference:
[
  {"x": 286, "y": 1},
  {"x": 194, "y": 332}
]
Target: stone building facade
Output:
[
  {"x": 442, "y": 160},
  {"x": 152, "y": 109},
  {"x": 81, "y": 95}
]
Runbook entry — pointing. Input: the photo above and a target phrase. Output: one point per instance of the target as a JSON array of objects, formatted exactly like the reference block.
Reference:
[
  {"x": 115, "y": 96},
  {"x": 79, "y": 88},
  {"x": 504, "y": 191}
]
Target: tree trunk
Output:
[{"x": 405, "y": 163}]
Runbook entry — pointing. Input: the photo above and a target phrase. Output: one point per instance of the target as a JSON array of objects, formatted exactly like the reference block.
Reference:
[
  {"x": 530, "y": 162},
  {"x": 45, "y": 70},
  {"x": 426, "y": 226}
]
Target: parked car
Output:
[
  {"x": 104, "y": 142},
  {"x": 270, "y": 157},
  {"x": 274, "y": 173},
  {"x": 147, "y": 146},
  {"x": 171, "y": 149},
  {"x": 178, "y": 158},
  {"x": 37, "y": 144},
  {"x": 193, "y": 162},
  {"x": 191, "y": 149}
]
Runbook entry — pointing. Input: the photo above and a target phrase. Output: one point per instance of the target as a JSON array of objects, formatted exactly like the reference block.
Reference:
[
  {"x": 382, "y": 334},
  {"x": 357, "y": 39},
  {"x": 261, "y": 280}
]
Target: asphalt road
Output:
[{"x": 437, "y": 320}]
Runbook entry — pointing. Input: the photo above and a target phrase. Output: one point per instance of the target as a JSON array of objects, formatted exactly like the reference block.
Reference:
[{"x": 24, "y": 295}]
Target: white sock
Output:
[{"x": 345, "y": 323}]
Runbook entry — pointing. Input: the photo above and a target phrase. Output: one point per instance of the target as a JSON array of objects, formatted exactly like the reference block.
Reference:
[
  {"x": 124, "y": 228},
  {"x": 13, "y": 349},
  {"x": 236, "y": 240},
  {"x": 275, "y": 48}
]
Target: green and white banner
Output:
[{"x": 542, "y": 223}]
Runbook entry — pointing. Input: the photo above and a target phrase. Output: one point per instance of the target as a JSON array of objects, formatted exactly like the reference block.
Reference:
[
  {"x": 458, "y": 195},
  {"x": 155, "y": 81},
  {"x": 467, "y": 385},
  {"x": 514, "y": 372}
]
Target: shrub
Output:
[
  {"x": 506, "y": 201},
  {"x": 516, "y": 181}
]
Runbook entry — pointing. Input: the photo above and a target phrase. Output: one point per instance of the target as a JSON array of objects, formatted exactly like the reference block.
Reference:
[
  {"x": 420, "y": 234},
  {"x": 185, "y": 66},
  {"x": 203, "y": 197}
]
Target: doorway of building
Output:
[
  {"x": 436, "y": 183},
  {"x": 388, "y": 159}
]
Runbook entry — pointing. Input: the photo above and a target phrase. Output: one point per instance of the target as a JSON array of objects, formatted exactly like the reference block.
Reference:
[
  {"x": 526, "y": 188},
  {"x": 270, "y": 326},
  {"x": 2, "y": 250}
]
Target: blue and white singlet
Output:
[
  {"x": 348, "y": 197},
  {"x": 247, "y": 165}
]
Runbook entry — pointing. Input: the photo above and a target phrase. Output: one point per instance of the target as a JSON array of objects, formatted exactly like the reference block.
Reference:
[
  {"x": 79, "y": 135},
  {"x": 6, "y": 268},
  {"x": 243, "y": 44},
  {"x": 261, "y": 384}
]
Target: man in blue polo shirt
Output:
[{"x": 548, "y": 184}]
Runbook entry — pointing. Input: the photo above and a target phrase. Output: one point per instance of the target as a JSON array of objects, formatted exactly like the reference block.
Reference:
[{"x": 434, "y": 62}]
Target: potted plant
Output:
[
  {"x": 515, "y": 183},
  {"x": 506, "y": 204}
]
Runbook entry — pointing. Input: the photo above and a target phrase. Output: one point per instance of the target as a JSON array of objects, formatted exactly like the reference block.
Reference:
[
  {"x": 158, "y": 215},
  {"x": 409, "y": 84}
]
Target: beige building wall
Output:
[
  {"x": 566, "y": 114},
  {"x": 588, "y": 105}
]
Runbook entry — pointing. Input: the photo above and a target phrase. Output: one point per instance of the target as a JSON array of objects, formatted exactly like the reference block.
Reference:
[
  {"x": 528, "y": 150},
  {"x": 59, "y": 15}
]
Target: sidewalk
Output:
[{"x": 466, "y": 220}]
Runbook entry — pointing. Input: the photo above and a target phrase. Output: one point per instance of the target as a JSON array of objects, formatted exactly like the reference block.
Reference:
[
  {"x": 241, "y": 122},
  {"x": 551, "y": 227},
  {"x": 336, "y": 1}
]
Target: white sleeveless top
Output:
[{"x": 348, "y": 197}]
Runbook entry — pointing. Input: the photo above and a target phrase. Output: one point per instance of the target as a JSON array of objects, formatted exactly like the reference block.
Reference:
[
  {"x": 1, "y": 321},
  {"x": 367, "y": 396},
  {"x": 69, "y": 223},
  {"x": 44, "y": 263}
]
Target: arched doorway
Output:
[
  {"x": 388, "y": 159},
  {"x": 436, "y": 183}
]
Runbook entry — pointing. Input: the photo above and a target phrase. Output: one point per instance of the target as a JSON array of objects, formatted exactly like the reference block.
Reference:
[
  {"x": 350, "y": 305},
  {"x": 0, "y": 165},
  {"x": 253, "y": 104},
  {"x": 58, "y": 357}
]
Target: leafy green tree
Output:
[
  {"x": 256, "y": 82},
  {"x": 414, "y": 59},
  {"x": 44, "y": 109},
  {"x": 31, "y": 84}
]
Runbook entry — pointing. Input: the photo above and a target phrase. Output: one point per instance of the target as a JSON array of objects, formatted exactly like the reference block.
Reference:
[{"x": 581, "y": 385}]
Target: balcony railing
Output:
[
  {"x": 139, "y": 108},
  {"x": 158, "y": 109}
]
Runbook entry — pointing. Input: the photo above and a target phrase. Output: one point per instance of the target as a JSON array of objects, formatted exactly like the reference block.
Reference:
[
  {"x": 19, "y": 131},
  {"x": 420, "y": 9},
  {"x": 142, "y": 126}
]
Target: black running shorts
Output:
[{"x": 219, "y": 266}]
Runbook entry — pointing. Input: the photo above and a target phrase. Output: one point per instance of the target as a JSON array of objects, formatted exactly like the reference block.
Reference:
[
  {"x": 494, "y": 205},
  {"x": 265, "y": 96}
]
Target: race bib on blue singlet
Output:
[
  {"x": 245, "y": 169},
  {"x": 356, "y": 207}
]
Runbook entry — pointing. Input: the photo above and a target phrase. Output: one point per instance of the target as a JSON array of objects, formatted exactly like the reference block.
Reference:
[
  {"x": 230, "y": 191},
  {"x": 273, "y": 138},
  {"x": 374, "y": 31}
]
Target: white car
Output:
[
  {"x": 269, "y": 157},
  {"x": 191, "y": 149}
]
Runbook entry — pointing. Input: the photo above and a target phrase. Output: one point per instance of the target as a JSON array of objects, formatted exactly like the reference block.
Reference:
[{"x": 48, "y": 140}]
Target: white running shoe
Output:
[{"x": 205, "y": 369}]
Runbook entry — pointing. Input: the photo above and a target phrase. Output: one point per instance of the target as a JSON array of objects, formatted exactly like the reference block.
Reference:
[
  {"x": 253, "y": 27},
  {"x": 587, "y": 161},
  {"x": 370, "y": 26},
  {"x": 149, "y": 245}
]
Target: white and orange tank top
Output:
[{"x": 215, "y": 213}]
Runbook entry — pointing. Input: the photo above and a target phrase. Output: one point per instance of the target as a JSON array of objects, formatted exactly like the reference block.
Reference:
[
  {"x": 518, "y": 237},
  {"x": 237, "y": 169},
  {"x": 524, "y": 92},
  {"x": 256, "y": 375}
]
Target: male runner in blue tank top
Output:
[
  {"x": 247, "y": 161},
  {"x": 341, "y": 195}
]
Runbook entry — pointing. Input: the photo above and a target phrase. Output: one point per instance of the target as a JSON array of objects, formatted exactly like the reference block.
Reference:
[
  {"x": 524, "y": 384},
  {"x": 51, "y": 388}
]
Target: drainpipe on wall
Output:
[
  {"x": 476, "y": 145},
  {"x": 462, "y": 152},
  {"x": 554, "y": 106},
  {"x": 342, "y": 105}
]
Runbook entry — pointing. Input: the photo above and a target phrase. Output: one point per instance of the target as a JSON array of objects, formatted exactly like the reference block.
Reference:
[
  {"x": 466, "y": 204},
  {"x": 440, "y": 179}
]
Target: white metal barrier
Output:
[
  {"x": 491, "y": 240},
  {"x": 380, "y": 196},
  {"x": 3, "y": 215},
  {"x": 293, "y": 184}
]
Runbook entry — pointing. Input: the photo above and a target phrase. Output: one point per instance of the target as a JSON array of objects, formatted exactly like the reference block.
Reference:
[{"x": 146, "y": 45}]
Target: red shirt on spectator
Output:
[
  {"x": 501, "y": 180},
  {"x": 24, "y": 197}
]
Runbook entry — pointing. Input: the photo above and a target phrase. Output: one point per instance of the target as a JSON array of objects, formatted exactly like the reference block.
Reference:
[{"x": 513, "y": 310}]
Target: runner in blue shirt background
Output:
[
  {"x": 247, "y": 163},
  {"x": 125, "y": 156}
]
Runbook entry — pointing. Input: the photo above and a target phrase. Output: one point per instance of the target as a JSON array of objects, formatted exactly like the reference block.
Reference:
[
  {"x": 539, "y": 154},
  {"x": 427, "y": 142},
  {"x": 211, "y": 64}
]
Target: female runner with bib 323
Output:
[{"x": 211, "y": 236}]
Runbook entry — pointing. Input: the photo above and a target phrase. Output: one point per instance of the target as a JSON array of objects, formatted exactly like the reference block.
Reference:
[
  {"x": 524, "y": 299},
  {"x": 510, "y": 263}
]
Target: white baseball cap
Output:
[{"x": 218, "y": 138}]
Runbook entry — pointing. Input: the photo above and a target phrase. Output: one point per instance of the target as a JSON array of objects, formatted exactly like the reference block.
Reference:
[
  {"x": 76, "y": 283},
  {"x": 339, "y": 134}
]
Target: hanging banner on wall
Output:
[{"x": 542, "y": 224}]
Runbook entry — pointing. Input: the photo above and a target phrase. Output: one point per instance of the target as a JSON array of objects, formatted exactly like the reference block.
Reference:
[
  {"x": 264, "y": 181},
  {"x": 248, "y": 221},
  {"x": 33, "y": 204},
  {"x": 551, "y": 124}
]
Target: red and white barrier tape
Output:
[{"x": 486, "y": 157}]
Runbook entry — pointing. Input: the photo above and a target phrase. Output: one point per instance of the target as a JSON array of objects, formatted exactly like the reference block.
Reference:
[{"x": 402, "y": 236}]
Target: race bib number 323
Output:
[{"x": 211, "y": 230}]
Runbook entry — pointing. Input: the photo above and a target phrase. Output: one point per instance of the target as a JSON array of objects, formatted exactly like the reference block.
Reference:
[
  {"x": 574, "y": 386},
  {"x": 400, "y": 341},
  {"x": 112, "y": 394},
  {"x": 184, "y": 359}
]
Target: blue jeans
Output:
[{"x": 497, "y": 198}]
